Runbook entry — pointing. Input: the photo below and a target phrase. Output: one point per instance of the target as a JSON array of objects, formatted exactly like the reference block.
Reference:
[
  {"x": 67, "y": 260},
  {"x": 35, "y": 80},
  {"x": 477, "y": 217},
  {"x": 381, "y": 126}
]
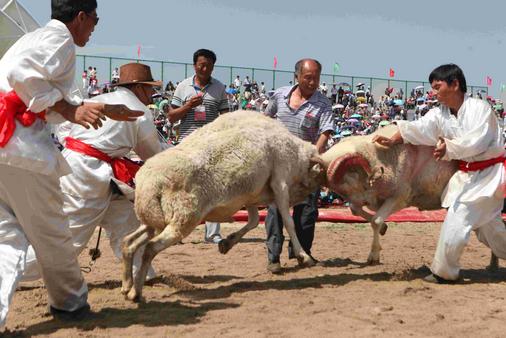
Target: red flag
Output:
[
  {"x": 139, "y": 51},
  {"x": 275, "y": 62},
  {"x": 392, "y": 72},
  {"x": 489, "y": 81}
]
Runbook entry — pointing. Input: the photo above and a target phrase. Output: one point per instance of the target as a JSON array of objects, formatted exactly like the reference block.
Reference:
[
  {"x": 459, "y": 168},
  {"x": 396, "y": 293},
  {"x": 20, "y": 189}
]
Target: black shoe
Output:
[
  {"x": 71, "y": 316},
  {"x": 435, "y": 279}
]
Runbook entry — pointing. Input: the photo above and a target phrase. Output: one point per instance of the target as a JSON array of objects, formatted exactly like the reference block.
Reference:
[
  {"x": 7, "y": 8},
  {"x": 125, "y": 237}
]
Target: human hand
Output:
[
  {"x": 440, "y": 150},
  {"x": 382, "y": 140},
  {"x": 120, "y": 112},
  {"x": 86, "y": 115},
  {"x": 195, "y": 101}
]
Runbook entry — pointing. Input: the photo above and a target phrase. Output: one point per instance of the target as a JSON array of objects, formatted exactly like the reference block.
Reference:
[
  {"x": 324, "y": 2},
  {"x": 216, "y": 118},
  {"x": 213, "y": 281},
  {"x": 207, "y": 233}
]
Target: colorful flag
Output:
[
  {"x": 336, "y": 67},
  {"x": 392, "y": 72},
  {"x": 139, "y": 51},
  {"x": 275, "y": 62},
  {"x": 489, "y": 81}
]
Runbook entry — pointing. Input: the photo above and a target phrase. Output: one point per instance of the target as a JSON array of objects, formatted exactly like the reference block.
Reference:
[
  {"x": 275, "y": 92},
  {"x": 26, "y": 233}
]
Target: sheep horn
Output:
[{"x": 339, "y": 166}]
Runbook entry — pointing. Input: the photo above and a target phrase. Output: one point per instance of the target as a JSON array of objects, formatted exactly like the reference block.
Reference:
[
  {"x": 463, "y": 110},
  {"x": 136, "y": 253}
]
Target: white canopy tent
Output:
[{"x": 15, "y": 21}]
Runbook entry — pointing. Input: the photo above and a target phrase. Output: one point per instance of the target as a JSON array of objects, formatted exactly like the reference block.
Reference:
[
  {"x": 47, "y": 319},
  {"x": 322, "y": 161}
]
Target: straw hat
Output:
[{"x": 134, "y": 73}]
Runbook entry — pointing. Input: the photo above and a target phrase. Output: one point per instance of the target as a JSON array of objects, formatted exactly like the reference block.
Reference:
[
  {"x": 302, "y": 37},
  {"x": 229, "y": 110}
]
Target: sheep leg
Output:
[
  {"x": 358, "y": 211},
  {"x": 228, "y": 243},
  {"x": 281, "y": 197},
  {"x": 131, "y": 244},
  {"x": 387, "y": 208},
  {"x": 494, "y": 263},
  {"x": 161, "y": 241}
]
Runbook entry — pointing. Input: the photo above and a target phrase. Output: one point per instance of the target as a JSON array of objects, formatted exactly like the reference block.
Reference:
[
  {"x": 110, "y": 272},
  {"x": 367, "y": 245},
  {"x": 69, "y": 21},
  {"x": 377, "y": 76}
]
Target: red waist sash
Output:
[
  {"x": 12, "y": 109},
  {"x": 480, "y": 165},
  {"x": 123, "y": 169}
]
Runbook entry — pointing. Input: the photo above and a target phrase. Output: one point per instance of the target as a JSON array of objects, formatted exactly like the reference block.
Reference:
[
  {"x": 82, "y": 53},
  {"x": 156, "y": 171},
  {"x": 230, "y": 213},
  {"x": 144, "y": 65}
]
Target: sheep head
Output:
[{"x": 344, "y": 173}]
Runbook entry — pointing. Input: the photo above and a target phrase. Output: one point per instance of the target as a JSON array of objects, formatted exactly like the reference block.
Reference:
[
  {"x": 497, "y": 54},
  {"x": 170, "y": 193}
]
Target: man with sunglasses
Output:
[{"x": 37, "y": 85}]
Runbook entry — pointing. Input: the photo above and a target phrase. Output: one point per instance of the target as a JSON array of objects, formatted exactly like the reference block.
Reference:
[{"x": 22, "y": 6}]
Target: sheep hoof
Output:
[
  {"x": 383, "y": 229},
  {"x": 373, "y": 259},
  {"x": 306, "y": 261},
  {"x": 224, "y": 246},
  {"x": 125, "y": 290},
  {"x": 494, "y": 264},
  {"x": 134, "y": 296}
]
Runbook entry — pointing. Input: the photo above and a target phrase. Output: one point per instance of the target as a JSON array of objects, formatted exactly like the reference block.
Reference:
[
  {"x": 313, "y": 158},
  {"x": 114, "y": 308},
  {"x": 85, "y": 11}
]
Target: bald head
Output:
[
  {"x": 307, "y": 72},
  {"x": 307, "y": 63}
]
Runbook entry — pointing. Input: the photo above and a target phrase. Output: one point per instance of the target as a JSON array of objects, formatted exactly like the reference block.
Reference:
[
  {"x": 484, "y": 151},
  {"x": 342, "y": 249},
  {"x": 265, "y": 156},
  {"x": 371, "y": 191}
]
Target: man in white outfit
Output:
[
  {"x": 37, "y": 77},
  {"x": 467, "y": 130},
  {"x": 90, "y": 193}
]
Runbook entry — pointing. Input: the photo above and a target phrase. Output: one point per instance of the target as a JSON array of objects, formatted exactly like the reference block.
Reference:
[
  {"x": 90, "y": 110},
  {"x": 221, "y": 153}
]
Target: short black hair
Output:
[
  {"x": 298, "y": 65},
  {"x": 208, "y": 54},
  {"x": 449, "y": 73},
  {"x": 66, "y": 10}
]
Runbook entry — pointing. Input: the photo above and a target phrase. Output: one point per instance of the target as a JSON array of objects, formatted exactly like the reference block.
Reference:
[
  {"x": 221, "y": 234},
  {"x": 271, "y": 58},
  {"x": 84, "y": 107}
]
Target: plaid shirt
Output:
[{"x": 309, "y": 121}]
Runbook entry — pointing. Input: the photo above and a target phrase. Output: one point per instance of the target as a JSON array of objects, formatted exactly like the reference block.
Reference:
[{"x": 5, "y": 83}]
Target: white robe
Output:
[
  {"x": 88, "y": 198},
  {"x": 40, "y": 67},
  {"x": 474, "y": 199}
]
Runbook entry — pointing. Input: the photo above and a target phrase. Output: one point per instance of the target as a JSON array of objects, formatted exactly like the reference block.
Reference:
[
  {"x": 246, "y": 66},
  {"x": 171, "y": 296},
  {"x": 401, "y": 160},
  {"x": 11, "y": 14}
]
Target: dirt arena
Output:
[{"x": 204, "y": 294}]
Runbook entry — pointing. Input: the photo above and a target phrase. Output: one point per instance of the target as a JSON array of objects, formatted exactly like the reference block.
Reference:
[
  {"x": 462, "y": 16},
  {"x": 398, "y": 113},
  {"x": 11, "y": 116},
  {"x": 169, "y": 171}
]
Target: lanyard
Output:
[{"x": 198, "y": 89}]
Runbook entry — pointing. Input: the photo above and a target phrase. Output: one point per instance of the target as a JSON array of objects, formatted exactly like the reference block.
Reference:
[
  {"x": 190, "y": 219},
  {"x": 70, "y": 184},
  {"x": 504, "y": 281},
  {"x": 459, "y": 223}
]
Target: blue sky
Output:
[{"x": 365, "y": 37}]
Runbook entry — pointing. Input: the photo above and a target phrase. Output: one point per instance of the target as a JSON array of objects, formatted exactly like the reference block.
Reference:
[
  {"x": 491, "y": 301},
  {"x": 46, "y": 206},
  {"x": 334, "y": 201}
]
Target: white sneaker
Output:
[{"x": 214, "y": 239}]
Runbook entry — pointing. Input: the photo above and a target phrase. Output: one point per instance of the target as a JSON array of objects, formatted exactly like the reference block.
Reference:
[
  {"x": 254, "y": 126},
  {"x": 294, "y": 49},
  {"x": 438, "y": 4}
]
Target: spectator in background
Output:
[
  {"x": 115, "y": 75},
  {"x": 307, "y": 114},
  {"x": 84, "y": 77},
  {"x": 197, "y": 101},
  {"x": 340, "y": 94},
  {"x": 237, "y": 82},
  {"x": 247, "y": 84},
  {"x": 324, "y": 89},
  {"x": 333, "y": 94}
]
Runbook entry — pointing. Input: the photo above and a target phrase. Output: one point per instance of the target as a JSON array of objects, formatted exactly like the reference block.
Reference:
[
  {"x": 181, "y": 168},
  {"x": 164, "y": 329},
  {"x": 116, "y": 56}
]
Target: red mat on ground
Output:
[{"x": 344, "y": 215}]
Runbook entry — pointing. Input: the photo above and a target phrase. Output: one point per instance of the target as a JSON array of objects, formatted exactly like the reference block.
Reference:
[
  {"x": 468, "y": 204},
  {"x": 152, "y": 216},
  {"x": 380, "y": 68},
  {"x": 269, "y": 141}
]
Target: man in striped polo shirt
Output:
[
  {"x": 197, "y": 101},
  {"x": 307, "y": 114}
]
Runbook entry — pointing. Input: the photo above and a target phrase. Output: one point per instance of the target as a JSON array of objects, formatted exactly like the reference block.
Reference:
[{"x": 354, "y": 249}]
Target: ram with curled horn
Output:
[{"x": 379, "y": 181}]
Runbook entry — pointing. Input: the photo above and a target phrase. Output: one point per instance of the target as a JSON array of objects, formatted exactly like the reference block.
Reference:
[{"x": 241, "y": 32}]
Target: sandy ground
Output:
[{"x": 203, "y": 293}]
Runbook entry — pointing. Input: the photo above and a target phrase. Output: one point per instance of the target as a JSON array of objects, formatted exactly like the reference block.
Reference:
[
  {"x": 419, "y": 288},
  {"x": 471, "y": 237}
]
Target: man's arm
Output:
[
  {"x": 321, "y": 144},
  {"x": 388, "y": 141},
  {"x": 179, "y": 112},
  {"x": 91, "y": 113}
]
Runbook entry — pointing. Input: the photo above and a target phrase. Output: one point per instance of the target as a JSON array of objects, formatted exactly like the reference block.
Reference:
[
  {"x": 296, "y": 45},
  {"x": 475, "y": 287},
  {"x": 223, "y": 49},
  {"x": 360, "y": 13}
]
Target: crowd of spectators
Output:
[{"x": 356, "y": 110}]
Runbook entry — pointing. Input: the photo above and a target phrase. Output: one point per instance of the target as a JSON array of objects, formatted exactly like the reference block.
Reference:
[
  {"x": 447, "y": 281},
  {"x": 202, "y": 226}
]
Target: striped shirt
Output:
[
  {"x": 313, "y": 117},
  {"x": 215, "y": 101}
]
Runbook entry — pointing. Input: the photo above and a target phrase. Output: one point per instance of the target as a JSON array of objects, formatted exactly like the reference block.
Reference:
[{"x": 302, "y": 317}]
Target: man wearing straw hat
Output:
[
  {"x": 37, "y": 84},
  {"x": 99, "y": 190}
]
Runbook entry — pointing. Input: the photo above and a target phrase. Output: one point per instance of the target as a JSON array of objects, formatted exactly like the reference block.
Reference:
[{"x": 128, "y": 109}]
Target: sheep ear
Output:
[{"x": 376, "y": 174}]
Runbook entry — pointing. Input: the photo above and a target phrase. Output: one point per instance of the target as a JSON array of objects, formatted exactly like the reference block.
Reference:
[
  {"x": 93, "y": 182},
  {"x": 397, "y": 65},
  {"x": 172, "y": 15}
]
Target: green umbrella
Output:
[{"x": 384, "y": 123}]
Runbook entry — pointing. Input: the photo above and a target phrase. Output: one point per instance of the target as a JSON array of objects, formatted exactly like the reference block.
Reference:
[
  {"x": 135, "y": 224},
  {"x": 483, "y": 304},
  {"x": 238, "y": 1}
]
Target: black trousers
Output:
[{"x": 304, "y": 217}]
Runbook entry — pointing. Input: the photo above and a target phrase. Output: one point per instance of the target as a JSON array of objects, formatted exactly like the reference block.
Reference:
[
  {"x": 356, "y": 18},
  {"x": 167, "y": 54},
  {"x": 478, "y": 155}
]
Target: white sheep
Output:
[{"x": 242, "y": 159}]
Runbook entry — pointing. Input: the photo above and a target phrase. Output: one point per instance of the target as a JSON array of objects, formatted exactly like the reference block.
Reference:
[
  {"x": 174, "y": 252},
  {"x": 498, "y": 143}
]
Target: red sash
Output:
[
  {"x": 11, "y": 109},
  {"x": 123, "y": 169},
  {"x": 480, "y": 165}
]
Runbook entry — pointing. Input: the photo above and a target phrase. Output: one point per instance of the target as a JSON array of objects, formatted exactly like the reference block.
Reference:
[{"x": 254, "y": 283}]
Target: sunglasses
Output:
[{"x": 94, "y": 17}]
